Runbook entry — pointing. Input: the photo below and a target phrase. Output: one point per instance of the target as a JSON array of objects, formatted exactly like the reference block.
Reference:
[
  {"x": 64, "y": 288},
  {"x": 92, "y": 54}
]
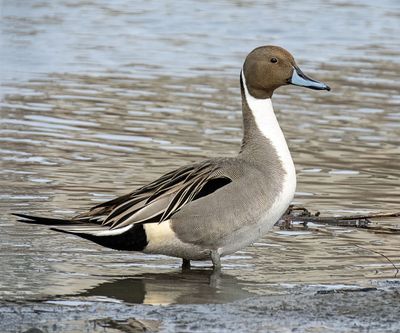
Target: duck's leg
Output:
[
  {"x": 185, "y": 264},
  {"x": 215, "y": 276},
  {"x": 216, "y": 260}
]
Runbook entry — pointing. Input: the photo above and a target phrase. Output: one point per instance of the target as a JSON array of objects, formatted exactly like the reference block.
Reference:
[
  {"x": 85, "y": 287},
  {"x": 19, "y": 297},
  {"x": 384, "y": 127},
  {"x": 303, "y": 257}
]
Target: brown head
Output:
[{"x": 266, "y": 68}]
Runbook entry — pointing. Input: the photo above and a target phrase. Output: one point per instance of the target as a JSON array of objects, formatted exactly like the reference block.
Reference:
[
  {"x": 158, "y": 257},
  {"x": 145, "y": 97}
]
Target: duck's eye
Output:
[{"x": 274, "y": 60}]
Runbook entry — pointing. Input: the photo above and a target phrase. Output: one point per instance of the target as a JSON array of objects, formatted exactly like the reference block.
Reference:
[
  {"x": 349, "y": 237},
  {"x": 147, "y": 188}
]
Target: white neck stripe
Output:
[
  {"x": 268, "y": 125},
  {"x": 265, "y": 119}
]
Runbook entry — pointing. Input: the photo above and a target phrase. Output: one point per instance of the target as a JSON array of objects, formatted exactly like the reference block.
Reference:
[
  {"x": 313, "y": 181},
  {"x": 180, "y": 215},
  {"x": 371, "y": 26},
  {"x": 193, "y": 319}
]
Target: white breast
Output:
[{"x": 268, "y": 125}]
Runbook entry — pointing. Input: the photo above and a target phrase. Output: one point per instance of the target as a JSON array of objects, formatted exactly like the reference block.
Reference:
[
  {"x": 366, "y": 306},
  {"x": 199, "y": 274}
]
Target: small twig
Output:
[
  {"x": 381, "y": 254},
  {"x": 303, "y": 215},
  {"x": 329, "y": 219}
]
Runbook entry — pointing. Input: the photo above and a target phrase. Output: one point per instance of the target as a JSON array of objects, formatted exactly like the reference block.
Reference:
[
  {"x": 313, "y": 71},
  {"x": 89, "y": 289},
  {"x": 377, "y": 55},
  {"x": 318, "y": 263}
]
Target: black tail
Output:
[
  {"x": 134, "y": 239},
  {"x": 41, "y": 220}
]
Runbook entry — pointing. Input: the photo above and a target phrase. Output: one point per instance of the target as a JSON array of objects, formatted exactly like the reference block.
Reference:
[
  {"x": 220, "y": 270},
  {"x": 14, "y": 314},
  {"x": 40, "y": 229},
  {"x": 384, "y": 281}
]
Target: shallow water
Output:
[{"x": 98, "y": 98}]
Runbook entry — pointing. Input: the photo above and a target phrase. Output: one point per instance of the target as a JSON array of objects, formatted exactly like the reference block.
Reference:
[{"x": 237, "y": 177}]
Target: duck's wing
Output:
[
  {"x": 119, "y": 223},
  {"x": 152, "y": 203}
]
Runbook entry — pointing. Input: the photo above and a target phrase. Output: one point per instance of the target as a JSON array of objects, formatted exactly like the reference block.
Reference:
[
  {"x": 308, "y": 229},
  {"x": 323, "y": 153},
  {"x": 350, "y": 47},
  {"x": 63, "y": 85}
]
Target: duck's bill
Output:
[{"x": 300, "y": 79}]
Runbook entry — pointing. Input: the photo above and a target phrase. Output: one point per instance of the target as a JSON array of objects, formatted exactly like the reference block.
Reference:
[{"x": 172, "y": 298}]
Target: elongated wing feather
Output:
[{"x": 159, "y": 200}]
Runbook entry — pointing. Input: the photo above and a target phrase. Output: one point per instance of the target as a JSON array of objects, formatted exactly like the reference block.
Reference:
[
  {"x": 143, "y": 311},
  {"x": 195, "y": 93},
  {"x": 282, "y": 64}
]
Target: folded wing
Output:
[{"x": 152, "y": 203}]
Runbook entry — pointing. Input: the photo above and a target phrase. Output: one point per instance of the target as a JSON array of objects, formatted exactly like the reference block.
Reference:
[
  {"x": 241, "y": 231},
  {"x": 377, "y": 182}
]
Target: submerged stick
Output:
[{"x": 302, "y": 214}]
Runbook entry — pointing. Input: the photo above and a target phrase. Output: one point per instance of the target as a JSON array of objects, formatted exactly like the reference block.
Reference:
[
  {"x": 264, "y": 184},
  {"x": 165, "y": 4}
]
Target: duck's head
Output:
[{"x": 266, "y": 68}]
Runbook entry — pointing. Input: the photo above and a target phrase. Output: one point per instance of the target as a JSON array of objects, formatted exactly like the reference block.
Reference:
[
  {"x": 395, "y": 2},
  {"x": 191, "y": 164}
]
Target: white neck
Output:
[{"x": 268, "y": 125}]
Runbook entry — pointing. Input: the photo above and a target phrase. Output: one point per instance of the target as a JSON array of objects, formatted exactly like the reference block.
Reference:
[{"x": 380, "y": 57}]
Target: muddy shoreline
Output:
[{"x": 305, "y": 309}]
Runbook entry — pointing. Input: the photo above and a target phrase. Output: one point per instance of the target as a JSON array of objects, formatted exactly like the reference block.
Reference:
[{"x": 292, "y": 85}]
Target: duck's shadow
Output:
[{"x": 177, "y": 287}]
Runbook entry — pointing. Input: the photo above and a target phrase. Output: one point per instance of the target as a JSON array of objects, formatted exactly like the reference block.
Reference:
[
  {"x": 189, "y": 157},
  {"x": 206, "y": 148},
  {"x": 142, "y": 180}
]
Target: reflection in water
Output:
[
  {"x": 186, "y": 287},
  {"x": 110, "y": 107}
]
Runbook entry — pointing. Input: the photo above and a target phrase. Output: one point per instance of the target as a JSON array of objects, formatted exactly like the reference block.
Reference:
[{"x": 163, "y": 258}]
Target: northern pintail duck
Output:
[{"x": 215, "y": 207}]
